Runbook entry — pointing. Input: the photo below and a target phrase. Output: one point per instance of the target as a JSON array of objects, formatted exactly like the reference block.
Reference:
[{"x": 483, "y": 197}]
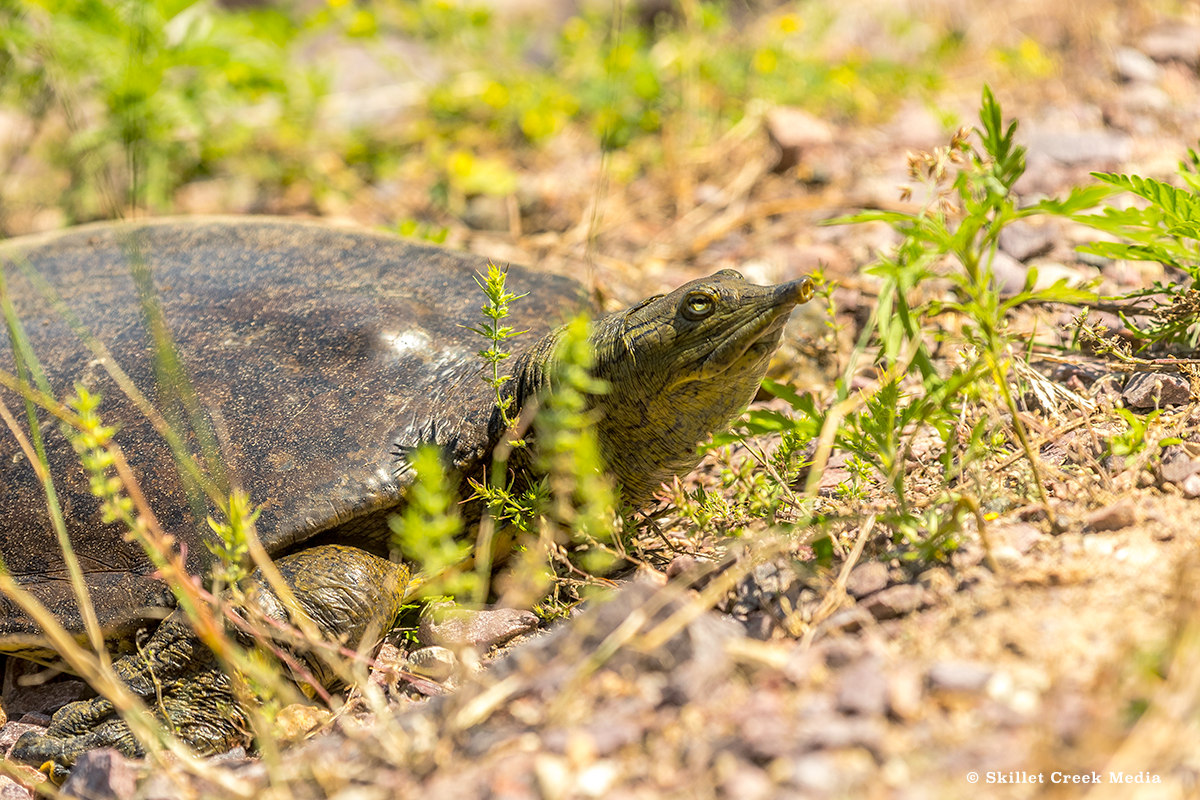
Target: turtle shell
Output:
[{"x": 316, "y": 353}]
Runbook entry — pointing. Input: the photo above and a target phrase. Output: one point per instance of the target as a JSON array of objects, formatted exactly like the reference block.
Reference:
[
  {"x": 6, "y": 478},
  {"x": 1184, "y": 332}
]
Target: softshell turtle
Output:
[{"x": 318, "y": 355}]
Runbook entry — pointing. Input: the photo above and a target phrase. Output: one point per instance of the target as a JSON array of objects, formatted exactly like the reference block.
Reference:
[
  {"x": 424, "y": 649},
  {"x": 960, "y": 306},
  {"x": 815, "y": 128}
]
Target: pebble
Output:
[
  {"x": 863, "y": 689},
  {"x": 102, "y": 774},
  {"x": 40, "y": 697},
  {"x": 958, "y": 676},
  {"x": 1008, "y": 273},
  {"x": 867, "y": 579},
  {"x": 1156, "y": 390},
  {"x": 895, "y": 601},
  {"x": 1071, "y": 148},
  {"x": 905, "y": 693},
  {"x": 793, "y": 131},
  {"x": 1191, "y": 486},
  {"x": 747, "y": 781},
  {"x": 1176, "y": 43},
  {"x": 296, "y": 721},
  {"x": 1119, "y": 515},
  {"x": 11, "y": 790},
  {"x": 435, "y": 663},
  {"x": 1023, "y": 241},
  {"x": 1020, "y": 536},
  {"x": 453, "y": 627},
  {"x": 1135, "y": 66},
  {"x": 1176, "y": 467}
]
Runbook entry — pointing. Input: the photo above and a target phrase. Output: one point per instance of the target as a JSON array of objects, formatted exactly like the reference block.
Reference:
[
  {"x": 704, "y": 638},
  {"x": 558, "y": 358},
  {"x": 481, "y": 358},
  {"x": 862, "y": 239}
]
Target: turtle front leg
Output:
[{"x": 347, "y": 592}]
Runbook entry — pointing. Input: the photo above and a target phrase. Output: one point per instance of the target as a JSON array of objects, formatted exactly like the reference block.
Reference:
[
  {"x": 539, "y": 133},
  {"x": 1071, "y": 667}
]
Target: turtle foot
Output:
[{"x": 349, "y": 594}]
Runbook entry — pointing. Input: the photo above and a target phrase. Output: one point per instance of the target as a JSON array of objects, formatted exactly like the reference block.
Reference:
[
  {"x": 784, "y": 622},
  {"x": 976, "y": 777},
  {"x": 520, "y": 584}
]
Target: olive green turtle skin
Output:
[{"x": 320, "y": 356}]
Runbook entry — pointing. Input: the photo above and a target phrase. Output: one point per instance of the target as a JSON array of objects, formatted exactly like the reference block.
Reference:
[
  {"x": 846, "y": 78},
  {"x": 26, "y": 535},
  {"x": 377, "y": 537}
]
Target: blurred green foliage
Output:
[
  {"x": 131, "y": 99},
  {"x": 128, "y": 100}
]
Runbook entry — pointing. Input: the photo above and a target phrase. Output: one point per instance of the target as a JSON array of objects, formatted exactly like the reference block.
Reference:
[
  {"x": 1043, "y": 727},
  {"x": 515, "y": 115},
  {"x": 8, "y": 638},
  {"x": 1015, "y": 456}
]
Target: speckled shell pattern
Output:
[{"x": 317, "y": 353}]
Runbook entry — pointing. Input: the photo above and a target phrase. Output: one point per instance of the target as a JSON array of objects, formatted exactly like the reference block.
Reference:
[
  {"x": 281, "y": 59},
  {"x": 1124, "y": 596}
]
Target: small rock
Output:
[
  {"x": 461, "y": 627},
  {"x": 435, "y": 663},
  {"x": 389, "y": 662},
  {"x": 1006, "y": 556},
  {"x": 101, "y": 774},
  {"x": 1020, "y": 536},
  {"x": 1119, "y": 515},
  {"x": 1174, "y": 43},
  {"x": 793, "y": 131},
  {"x": 1008, "y": 273},
  {"x": 747, "y": 781},
  {"x": 679, "y": 565},
  {"x": 1071, "y": 148},
  {"x": 1191, "y": 486},
  {"x": 486, "y": 212},
  {"x": 759, "y": 625},
  {"x": 597, "y": 780},
  {"x": 1156, "y": 390},
  {"x": 915, "y": 126},
  {"x": 1023, "y": 241},
  {"x": 863, "y": 689},
  {"x": 32, "y": 688},
  {"x": 904, "y": 693},
  {"x": 1134, "y": 65},
  {"x": 1177, "y": 467},
  {"x": 295, "y": 722},
  {"x": 11, "y": 790},
  {"x": 866, "y": 579},
  {"x": 848, "y": 620},
  {"x": 553, "y": 776},
  {"x": 815, "y": 772},
  {"x": 958, "y": 676},
  {"x": 895, "y": 601}
]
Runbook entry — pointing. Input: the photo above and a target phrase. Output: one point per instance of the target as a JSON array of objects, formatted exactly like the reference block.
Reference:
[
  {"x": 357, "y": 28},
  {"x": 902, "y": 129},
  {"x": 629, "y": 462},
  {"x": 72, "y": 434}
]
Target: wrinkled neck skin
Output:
[{"x": 657, "y": 409}]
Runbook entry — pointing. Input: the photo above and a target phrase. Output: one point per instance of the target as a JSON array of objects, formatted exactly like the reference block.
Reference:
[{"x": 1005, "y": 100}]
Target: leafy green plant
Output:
[
  {"x": 495, "y": 310},
  {"x": 426, "y": 533},
  {"x": 1165, "y": 230},
  {"x": 947, "y": 245}
]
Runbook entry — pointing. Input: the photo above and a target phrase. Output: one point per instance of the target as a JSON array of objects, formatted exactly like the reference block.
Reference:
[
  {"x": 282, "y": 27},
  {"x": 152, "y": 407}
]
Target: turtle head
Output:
[{"x": 681, "y": 366}]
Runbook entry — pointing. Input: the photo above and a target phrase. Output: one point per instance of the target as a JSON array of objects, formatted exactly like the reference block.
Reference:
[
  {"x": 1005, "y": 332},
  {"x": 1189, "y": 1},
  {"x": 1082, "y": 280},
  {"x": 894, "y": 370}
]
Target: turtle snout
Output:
[{"x": 795, "y": 292}]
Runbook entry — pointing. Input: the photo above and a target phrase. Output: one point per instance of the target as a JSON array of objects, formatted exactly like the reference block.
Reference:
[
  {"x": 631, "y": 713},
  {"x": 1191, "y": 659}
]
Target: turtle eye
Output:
[{"x": 698, "y": 305}]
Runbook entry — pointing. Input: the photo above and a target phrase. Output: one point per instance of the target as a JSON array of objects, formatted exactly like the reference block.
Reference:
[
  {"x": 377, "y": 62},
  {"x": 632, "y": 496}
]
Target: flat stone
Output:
[
  {"x": 1135, "y": 66},
  {"x": 11, "y": 790},
  {"x": 958, "y": 676},
  {"x": 1174, "y": 43},
  {"x": 1119, "y": 515},
  {"x": 867, "y": 579},
  {"x": 1020, "y": 536},
  {"x": 33, "y": 688},
  {"x": 1156, "y": 390},
  {"x": 863, "y": 688},
  {"x": 102, "y": 774},
  {"x": 483, "y": 629},
  {"x": 1072, "y": 148},
  {"x": 793, "y": 131},
  {"x": 1023, "y": 241},
  {"x": 1177, "y": 467},
  {"x": 895, "y": 601}
]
